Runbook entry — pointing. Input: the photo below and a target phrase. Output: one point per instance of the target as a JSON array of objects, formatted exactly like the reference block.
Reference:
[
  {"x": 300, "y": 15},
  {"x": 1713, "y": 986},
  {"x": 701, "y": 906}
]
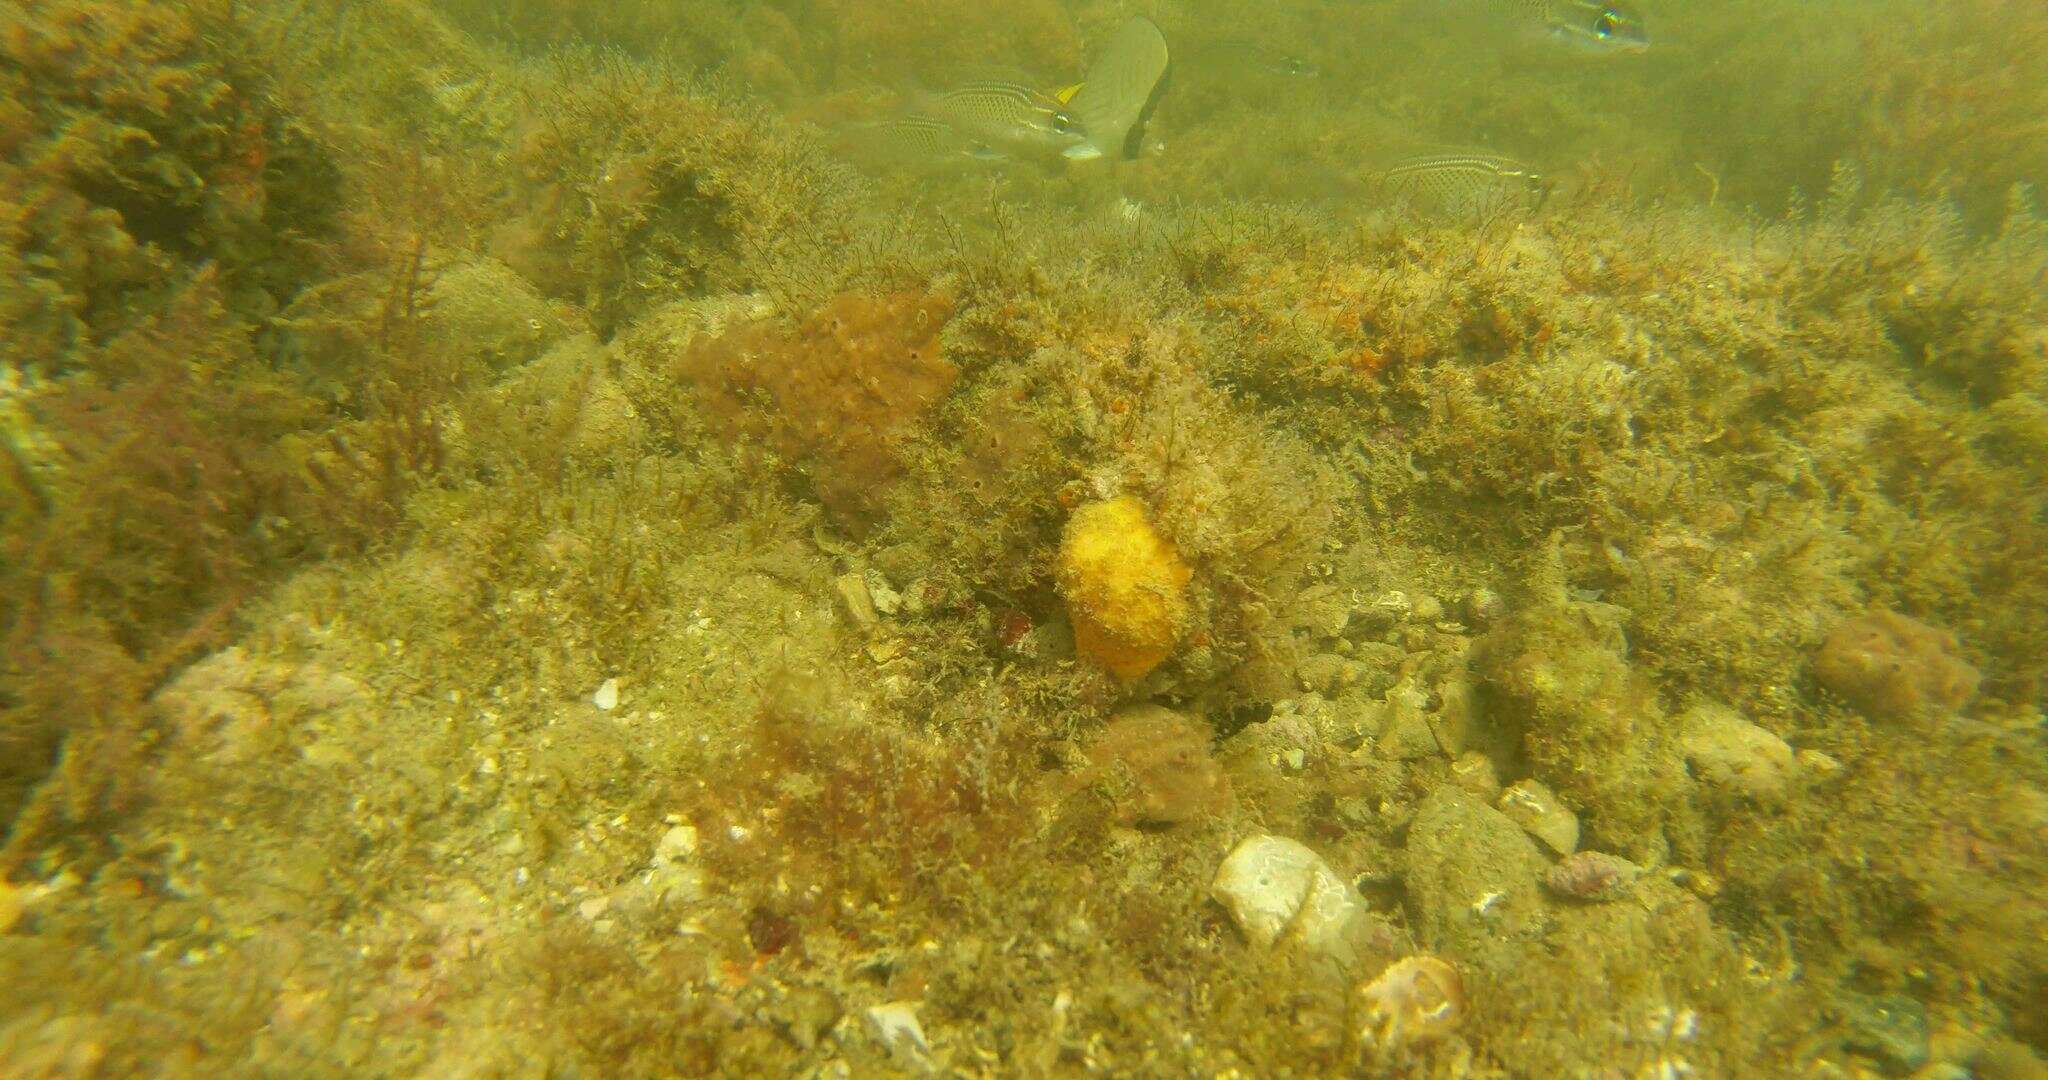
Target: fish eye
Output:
[
  {"x": 1607, "y": 24},
  {"x": 1061, "y": 122}
]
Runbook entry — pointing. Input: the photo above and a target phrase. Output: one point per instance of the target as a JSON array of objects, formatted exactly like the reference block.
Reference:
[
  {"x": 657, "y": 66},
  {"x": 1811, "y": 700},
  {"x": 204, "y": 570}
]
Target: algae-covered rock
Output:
[
  {"x": 1159, "y": 763},
  {"x": 1730, "y": 753},
  {"x": 1401, "y": 724},
  {"x": 1652, "y": 979},
  {"x": 1536, "y": 808},
  {"x": 564, "y": 400},
  {"x": 1472, "y": 878},
  {"x": 1590, "y": 724},
  {"x": 483, "y": 310},
  {"x": 1890, "y": 666},
  {"x": 1476, "y": 773},
  {"x": 842, "y": 392}
]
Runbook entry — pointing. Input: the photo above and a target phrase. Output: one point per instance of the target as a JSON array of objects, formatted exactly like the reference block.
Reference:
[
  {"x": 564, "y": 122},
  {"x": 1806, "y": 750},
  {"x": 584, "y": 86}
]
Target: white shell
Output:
[
  {"x": 1275, "y": 887},
  {"x": 607, "y": 696},
  {"x": 677, "y": 844},
  {"x": 895, "y": 1026}
]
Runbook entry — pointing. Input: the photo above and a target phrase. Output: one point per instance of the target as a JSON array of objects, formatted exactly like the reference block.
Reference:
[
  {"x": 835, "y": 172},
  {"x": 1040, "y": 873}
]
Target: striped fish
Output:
[
  {"x": 914, "y": 140},
  {"x": 1465, "y": 182},
  {"x": 1006, "y": 117}
]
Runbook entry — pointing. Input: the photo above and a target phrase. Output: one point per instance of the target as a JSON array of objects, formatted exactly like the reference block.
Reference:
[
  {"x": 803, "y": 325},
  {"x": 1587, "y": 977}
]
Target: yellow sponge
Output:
[{"x": 1125, "y": 587}]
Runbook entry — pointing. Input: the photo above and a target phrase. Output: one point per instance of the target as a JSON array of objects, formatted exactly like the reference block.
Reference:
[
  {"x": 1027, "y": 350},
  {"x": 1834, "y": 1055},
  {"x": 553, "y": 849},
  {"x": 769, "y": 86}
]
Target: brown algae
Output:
[{"x": 515, "y": 555}]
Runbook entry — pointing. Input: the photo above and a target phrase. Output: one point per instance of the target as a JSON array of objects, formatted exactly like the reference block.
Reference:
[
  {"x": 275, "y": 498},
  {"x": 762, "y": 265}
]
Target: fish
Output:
[
  {"x": 983, "y": 121},
  {"x": 915, "y": 140},
  {"x": 1601, "y": 26},
  {"x": 1241, "y": 54},
  {"x": 1008, "y": 118},
  {"x": 1465, "y": 182},
  {"x": 1120, "y": 90}
]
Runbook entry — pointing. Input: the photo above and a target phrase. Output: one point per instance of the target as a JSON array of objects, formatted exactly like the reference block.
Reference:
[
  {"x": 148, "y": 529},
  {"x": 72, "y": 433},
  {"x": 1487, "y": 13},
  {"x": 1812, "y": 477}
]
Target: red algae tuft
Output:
[{"x": 843, "y": 391}]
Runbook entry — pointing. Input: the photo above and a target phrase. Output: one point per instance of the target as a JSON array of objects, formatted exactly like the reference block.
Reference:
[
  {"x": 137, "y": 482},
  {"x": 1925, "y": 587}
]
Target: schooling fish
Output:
[
  {"x": 1465, "y": 181},
  {"x": 1121, "y": 89}
]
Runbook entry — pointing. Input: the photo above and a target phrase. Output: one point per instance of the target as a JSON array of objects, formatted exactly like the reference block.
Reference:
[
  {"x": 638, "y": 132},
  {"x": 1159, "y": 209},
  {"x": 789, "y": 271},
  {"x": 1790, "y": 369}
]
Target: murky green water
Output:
[{"x": 1352, "y": 538}]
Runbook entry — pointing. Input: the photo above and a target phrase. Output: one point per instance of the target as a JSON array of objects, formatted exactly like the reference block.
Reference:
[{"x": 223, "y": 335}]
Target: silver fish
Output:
[
  {"x": 1465, "y": 182},
  {"x": 1123, "y": 85},
  {"x": 1593, "y": 25}
]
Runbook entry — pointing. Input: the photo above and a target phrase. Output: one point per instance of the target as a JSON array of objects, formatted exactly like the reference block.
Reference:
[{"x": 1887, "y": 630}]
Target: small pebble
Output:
[
  {"x": 607, "y": 696},
  {"x": 1728, "y": 752},
  {"x": 1483, "y": 606},
  {"x": 678, "y": 843}
]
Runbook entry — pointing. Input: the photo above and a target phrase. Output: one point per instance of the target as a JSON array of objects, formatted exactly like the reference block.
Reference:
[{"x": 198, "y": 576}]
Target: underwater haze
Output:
[{"x": 1055, "y": 538}]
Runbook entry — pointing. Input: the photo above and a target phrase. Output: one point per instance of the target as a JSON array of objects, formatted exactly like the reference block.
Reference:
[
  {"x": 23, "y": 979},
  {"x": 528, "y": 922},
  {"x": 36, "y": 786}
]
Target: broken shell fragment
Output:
[
  {"x": 1416, "y": 999},
  {"x": 856, "y": 599},
  {"x": 895, "y": 1026},
  {"x": 1536, "y": 809},
  {"x": 1592, "y": 876}
]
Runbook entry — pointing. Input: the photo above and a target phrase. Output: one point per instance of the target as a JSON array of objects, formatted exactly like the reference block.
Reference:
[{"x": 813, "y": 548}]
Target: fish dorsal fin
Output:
[{"x": 1122, "y": 85}]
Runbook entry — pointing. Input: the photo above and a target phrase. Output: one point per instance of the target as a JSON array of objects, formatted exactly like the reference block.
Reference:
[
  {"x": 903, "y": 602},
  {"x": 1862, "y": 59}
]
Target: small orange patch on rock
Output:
[
  {"x": 1125, "y": 587},
  {"x": 1366, "y": 361}
]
